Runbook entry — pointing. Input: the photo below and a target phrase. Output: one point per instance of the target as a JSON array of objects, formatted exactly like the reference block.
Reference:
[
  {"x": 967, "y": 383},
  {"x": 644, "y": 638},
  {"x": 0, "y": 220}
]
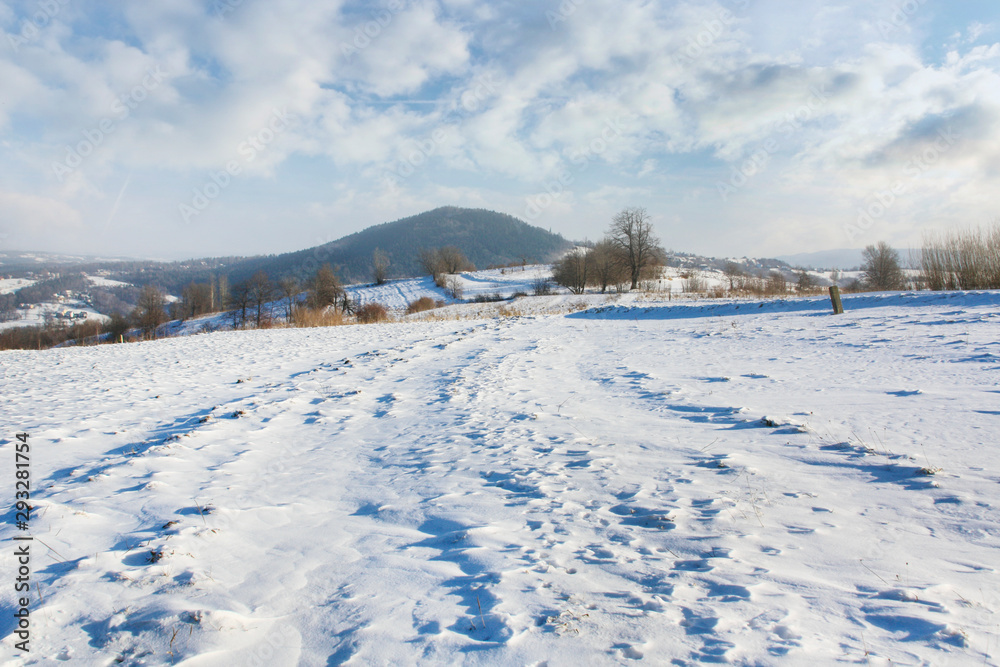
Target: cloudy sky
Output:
[{"x": 182, "y": 128}]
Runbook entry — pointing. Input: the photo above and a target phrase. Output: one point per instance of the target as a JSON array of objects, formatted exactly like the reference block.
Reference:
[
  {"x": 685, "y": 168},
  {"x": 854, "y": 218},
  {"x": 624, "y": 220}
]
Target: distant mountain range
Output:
[
  {"x": 21, "y": 260},
  {"x": 487, "y": 238}
]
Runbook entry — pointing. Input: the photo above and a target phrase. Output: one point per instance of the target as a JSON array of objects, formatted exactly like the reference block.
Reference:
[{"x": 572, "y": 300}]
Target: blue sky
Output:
[{"x": 179, "y": 128}]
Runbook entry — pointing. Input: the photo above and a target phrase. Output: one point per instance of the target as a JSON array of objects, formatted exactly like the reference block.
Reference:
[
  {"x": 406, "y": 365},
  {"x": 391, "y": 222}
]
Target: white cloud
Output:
[
  {"x": 842, "y": 104},
  {"x": 34, "y": 217}
]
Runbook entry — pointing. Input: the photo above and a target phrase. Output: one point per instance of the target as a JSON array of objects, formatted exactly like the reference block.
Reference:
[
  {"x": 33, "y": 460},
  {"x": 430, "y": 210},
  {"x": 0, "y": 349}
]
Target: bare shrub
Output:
[
  {"x": 420, "y": 305},
  {"x": 541, "y": 287},
  {"x": 371, "y": 313},
  {"x": 693, "y": 284},
  {"x": 777, "y": 283},
  {"x": 962, "y": 260},
  {"x": 455, "y": 288}
]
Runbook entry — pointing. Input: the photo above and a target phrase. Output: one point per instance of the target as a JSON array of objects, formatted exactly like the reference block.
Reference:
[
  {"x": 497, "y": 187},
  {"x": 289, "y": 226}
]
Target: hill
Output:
[{"x": 486, "y": 237}]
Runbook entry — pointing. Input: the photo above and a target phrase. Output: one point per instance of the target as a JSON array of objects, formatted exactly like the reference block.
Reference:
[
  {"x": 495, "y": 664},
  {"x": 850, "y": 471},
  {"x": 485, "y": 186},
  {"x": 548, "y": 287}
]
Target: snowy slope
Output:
[
  {"x": 676, "y": 483},
  {"x": 397, "y": 294},
  {"x": 11, "y": 285},
  {"x": 102, "y": 281},
  {"x": 36, "y": 315}
]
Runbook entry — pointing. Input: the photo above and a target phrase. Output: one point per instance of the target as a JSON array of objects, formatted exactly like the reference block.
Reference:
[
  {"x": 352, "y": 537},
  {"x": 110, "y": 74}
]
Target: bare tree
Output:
[
  {"x": 431, "y": 262},
  {"x": 733, "y": 272},
  {"x": 607, "y": 266},
  {"x": 260, "y": 292},
  {"x": 289, "y": 288},
  {"x": 117, "y": 327},
  {"x": 149, "y": 312},
  {"x": 196, "y": 299},
  {"x": 222, "y": 291},
  {"x": 777, "y": 283},
  {"x": 805, "y": 281},
  {"x": 880, "y": 268},
  {"x": 571, "y": 270},
  {"x": 325, "y": 289},
  {"x": 632, "y": 232},
  {"x": 380, "y": 266},
  {"x": 453, "y": 260},
  {"x": 238, "y": 301}
]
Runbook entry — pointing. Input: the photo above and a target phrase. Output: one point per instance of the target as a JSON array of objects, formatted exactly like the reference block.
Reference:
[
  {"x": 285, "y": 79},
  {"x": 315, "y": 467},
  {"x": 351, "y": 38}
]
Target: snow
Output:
[
  {"x": 673, "y": 482},
  {"x": 11, "y": 285},
  {"x": 101, "y": 281},
  {"x": 35, "y": 315},
  {"x": 397, "y": 294}
]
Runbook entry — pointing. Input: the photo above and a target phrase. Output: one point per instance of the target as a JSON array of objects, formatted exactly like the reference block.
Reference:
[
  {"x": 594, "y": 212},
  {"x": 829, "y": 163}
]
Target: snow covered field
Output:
[
  {"x": 102, "y": 281},
  {"x": 397, "y": 294},
  {"x": 11, "y": 285},
  {"x": 36, "y": 316},
  {"x": 673, "y": 483}
]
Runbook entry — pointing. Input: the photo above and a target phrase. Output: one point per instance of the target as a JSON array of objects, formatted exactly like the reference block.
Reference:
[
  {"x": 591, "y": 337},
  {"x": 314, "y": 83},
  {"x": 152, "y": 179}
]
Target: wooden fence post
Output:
[{"x": 838, "y": 307}]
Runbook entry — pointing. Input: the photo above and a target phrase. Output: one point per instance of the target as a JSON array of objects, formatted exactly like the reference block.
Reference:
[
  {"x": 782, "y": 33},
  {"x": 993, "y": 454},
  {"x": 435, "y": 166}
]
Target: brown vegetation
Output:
[
  {"x": 371, "y": 313},
  {"x": 962, "y": 260},
  {"x": 422, "y": 304}
]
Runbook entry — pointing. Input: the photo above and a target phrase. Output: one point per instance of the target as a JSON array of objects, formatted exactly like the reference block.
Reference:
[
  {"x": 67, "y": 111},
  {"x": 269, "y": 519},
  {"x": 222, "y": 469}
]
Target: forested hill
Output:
[{"x": 486, "y": 237}]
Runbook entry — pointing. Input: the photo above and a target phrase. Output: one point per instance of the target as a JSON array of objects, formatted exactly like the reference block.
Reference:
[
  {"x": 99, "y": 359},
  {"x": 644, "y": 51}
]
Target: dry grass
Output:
[{"x": 317, "y": 317}]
